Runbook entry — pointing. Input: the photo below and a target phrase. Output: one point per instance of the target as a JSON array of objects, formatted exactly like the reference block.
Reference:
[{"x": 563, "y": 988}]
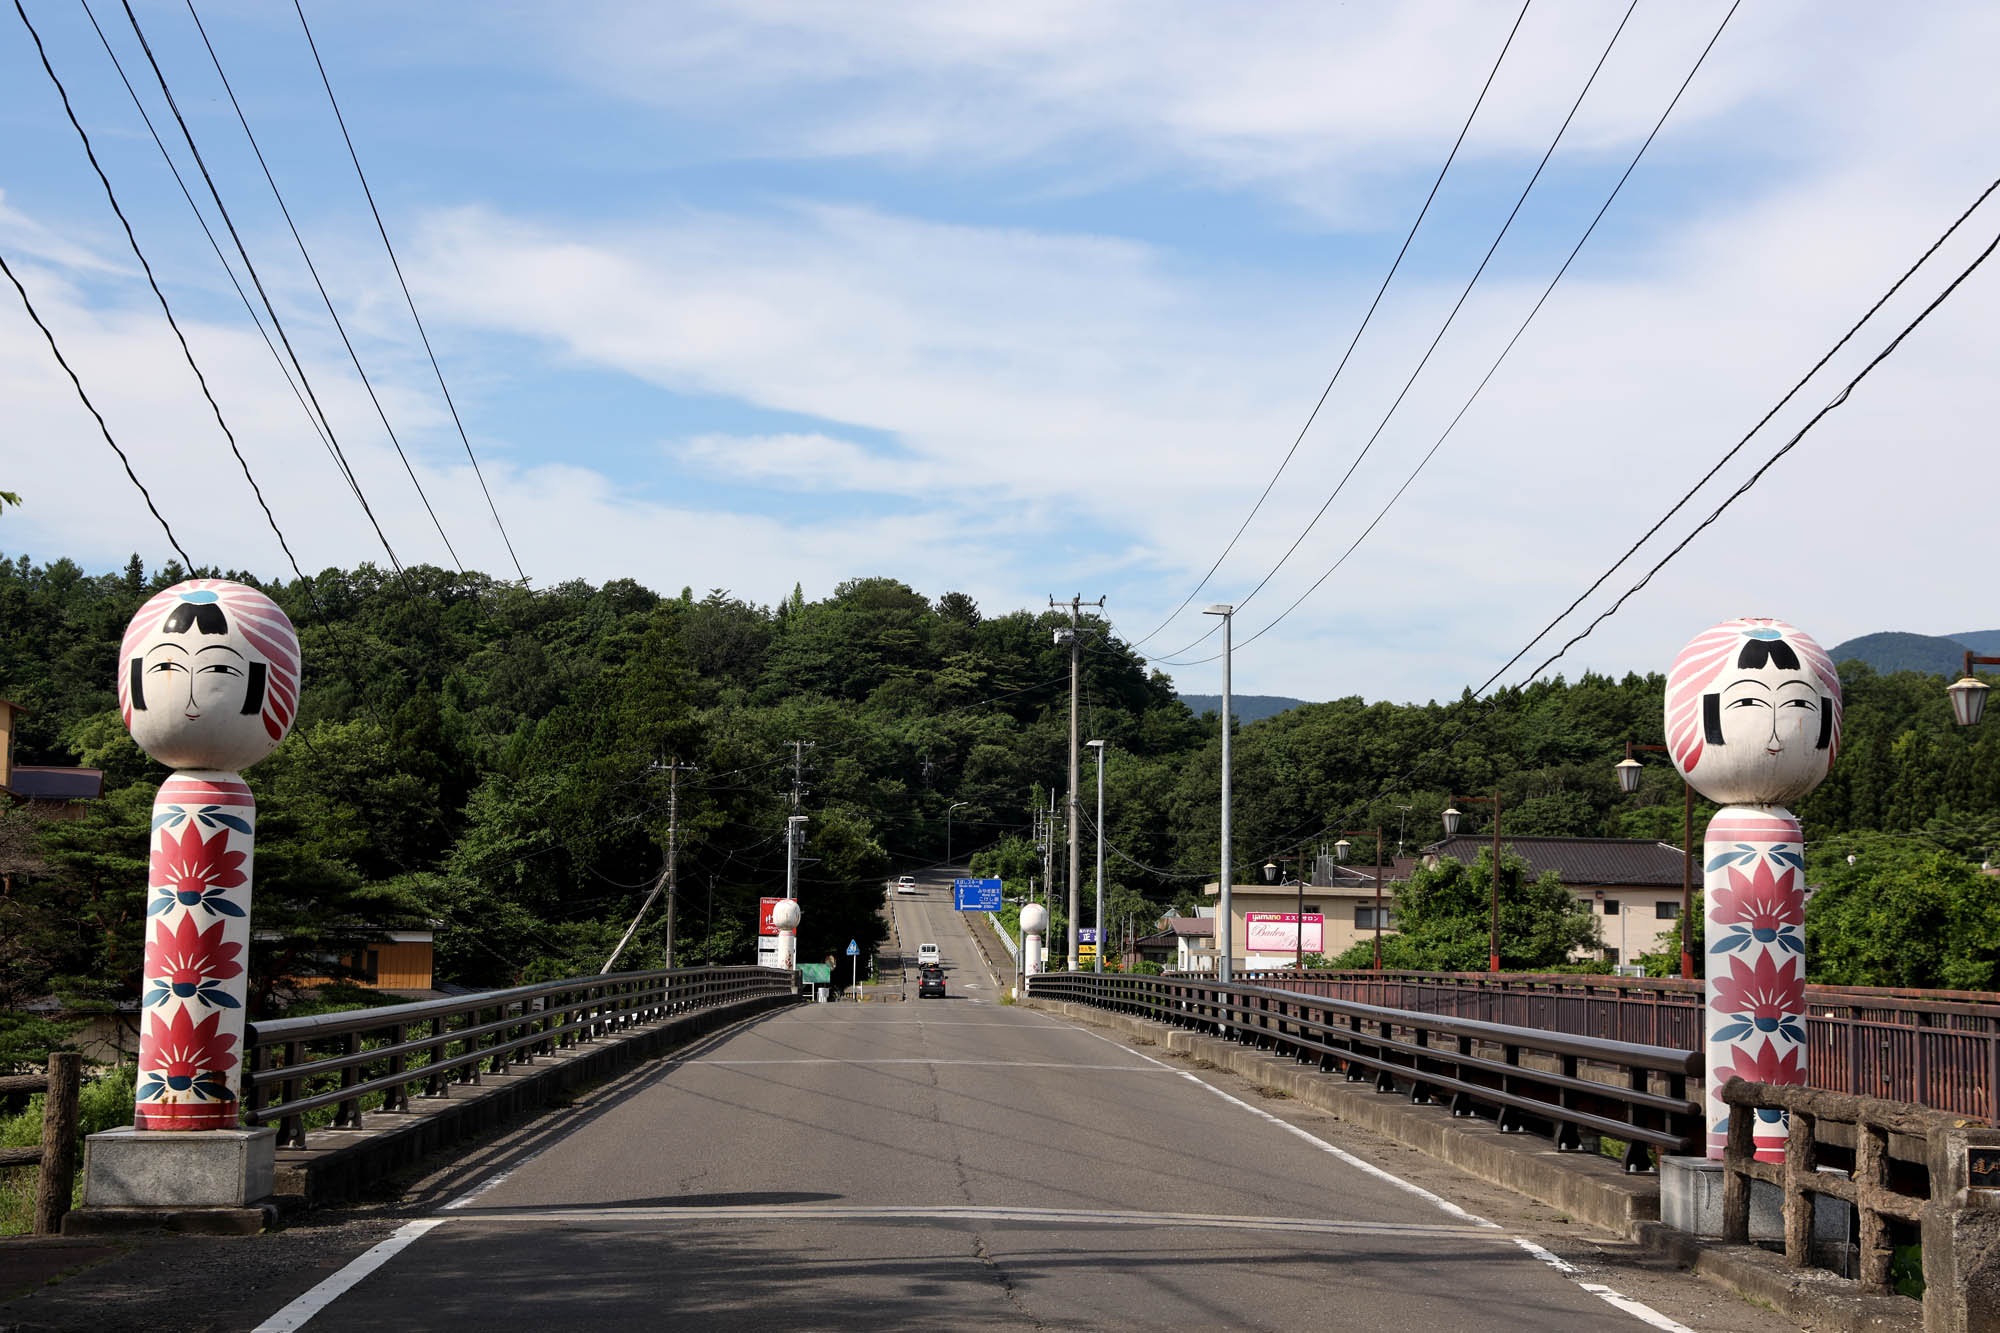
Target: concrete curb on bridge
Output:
[{"x": 1583, "y": 1185}]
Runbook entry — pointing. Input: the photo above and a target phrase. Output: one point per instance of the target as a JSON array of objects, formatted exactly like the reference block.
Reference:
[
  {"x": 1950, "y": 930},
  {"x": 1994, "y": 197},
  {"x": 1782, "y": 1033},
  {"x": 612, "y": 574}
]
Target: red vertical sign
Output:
[{"x": 765, "y": 906}]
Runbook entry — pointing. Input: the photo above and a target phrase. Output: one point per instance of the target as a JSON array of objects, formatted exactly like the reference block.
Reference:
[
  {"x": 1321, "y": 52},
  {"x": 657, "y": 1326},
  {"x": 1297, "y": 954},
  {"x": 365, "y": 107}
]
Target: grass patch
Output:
[{"x": 102, "y": 1103}]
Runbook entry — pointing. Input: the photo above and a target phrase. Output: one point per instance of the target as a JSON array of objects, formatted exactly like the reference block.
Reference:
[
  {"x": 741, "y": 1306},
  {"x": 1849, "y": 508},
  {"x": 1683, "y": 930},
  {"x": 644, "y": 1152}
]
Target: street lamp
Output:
[
  {"x": 1627, "y": 770},
  {"x": 1451, "y": 821},
  {"x": 1098, "y": 957},
  {"x": 1225, "y": 922},
  {"x": 1340, "y": 853},
  {"x": 947, "y": 828},
  {"x": 1968, "y": 694},
  {"x": 1274, "y": 873}
]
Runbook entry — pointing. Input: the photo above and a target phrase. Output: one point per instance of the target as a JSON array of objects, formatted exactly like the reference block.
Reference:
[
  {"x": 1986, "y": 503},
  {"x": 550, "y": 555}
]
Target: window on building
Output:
[
  {"x": 1666, "y": 911},
  {"x": 1364, "y": 917},
  {"x": 1611, "y": 956},
  {"x": 1610, "y": 907}
]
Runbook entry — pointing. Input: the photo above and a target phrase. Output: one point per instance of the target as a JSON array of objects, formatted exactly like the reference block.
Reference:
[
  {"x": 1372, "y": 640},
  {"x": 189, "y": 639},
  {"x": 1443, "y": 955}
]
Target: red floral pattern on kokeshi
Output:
[
  {"x": 197, "y": 945},
  {"x": 1754, "y": 859}
]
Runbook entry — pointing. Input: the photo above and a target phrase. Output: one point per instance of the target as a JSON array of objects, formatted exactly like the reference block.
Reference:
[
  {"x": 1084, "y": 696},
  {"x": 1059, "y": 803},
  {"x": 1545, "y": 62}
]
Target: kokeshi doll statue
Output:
[
  {"x": 1753, "y": 723},
  {"x": 208, "y": 682},
  {"x": 786, "y": 916}
]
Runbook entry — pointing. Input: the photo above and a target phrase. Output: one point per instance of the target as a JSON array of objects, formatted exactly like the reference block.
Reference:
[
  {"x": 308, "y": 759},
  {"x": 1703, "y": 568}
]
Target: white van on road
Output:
[{"x": 928, "y": 953}]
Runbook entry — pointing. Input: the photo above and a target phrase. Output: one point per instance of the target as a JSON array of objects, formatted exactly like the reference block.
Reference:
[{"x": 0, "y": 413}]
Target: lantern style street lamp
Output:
[
  {"x": 1968, "y": 694},
  {"x": 1451, "y": 821},
  {"x": 1628, "y": 770},
  {"x": 1341, "y": 850},
  {"x": 1274, "y": 873}
]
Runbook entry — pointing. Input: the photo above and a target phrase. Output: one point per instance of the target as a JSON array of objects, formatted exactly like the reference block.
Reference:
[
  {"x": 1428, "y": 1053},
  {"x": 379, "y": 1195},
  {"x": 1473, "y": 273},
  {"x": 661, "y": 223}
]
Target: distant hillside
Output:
[
  {"x": 1893, "y": 651},
  {"x": 1249, "y": 707}
]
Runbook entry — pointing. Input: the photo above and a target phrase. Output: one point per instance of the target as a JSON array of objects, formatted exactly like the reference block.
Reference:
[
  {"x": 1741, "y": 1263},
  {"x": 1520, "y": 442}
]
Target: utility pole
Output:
[
  {"x": 668, "y": 879},
  {"x": 1075, "y": 637},
  {"x": 795, "y": 833}
]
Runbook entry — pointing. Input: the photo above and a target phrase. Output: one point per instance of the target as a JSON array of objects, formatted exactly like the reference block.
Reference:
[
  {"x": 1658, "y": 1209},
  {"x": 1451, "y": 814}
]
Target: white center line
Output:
[{"x": 332, "y": 1289}]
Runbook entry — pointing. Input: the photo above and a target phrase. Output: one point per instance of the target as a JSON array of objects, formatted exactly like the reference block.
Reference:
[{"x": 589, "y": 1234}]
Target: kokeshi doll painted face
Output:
[
  {"x": 209, "y": 676},
  {"x": 1753, "y": 712}
]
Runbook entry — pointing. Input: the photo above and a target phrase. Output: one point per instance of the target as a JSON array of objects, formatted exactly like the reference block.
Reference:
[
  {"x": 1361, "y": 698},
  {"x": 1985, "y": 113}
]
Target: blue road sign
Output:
[
  {"x": 1085, "y": 935},
  {"x": 853, "y": 949},
  {"x": 975, "y": 895}
]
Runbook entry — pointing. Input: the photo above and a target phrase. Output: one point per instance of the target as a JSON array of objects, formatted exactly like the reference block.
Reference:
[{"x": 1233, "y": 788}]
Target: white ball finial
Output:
[
  {"x": 1034, "y": 919},
  {"x": 785, "y": 916}
]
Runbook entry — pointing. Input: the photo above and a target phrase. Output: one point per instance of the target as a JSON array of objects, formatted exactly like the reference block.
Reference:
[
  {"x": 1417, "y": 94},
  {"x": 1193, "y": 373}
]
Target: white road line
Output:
[
  {"x": 332, "y": 1289},
  {"x": 1638, "y": 1310},
  {"x": 919, "y": 1060},
  {"x": 1051, "y": 1217}
]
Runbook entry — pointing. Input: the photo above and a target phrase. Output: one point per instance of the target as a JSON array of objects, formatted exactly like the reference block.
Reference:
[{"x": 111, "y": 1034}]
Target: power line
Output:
[
  {"x": 1443, "y": 328},
  {"x": 319, "y": 430},
  {"x": 314, "y": 270},
  {"x": 214, "y": 193},
  {"x": 407, "y": 298},
  {"x": 153, "y": 282},
  {"x": 92, "y": 407},
  {"x": 1497, "y": 361},
  {"x": 1359, "y": 330},
  {"x": 1839, "y": 399}
]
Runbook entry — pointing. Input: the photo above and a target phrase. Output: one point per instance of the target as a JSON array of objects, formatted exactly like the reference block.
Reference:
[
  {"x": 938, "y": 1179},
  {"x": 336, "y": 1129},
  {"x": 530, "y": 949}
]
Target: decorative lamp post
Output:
[
  {"x": 1274, "y": 873},
  {"x": 1753, "y": 722},
  {"x": 1451, "y": 822},
  {"x": 1628, "y": 770},
  {"x": 1968, "y": 693},
  {"x": 1341, "y": 850},
  {"x": 208, "y": 684},
  {"x": 785, "y": 916}
]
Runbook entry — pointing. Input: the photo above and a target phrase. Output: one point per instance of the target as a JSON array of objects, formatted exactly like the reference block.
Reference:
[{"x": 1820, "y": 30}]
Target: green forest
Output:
[{"x": 495, "y": 761}]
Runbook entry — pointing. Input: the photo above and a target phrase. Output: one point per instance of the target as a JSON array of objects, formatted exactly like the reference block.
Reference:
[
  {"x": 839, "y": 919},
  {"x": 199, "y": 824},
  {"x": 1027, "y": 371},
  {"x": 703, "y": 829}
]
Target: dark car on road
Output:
[{"x": 930, "y": 980}]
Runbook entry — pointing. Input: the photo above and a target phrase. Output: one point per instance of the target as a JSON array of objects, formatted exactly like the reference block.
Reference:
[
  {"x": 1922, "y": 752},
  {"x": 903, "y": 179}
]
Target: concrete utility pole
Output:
[
  {"x": 795, "y": 834},
  {"x": 668, "y": 879},
  {"x": 1075, "y": 637},
  {"x": 1098, "y": 955},
  {"x": 1225, "y": 925}
]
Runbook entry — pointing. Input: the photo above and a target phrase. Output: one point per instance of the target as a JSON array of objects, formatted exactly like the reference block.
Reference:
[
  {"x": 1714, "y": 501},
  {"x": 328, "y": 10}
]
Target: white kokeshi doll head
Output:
[
  {"x": 1753, "y": 712},
  {"x": 209, "y": 676},
  {"x": 786, "y": 915}
]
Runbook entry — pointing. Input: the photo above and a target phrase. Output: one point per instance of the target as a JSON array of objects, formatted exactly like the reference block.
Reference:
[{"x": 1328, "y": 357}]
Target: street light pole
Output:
[
  {"x": 1628, "y": 781},
  {"x": 1451, "y": 818},
  {"x": 1340, "y": 852},
  {"x": 1097, "y": 958},
  {"x": 1225, "y": 922},
  {"x": 947, "y": 828}
]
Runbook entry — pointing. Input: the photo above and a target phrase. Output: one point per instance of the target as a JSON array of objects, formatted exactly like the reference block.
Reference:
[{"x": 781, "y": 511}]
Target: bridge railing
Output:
[
  {"x": 1480, "y": 1068},
  {"x": 297, "y": 1066},
  {"x": 1939, "y": 1049}
]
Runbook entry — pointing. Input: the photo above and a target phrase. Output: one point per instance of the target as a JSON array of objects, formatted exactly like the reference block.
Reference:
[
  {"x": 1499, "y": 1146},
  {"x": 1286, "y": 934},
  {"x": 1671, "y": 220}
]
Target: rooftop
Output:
[{"x": 1579, "y": 862}]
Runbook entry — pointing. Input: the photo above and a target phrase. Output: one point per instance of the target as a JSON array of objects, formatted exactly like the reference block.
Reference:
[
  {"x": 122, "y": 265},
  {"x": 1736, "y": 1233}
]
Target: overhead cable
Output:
[
  {"x": 92, "y": 407},
  {"x": 313, "y": 269},
  {"x": 407, "y": 298},
  {"x": 1359, "y": 330},
  {"x": 153, "y": 282},
  {"x": 1504, "y": 351},
  {"x": 243, "y": 252}
]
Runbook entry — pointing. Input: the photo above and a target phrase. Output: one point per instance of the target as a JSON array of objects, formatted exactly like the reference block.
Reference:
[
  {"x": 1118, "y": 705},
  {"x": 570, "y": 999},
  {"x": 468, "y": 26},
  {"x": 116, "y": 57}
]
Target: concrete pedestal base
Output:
[
  {"x": 1691, "y": 1201},
  {"x": 178, "y": 1169}
]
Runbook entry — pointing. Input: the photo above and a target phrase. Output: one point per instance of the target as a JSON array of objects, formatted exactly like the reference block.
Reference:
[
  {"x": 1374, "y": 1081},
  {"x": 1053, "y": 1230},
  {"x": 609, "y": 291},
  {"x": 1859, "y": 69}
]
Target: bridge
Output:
[{"x": 965, "y": 1162}]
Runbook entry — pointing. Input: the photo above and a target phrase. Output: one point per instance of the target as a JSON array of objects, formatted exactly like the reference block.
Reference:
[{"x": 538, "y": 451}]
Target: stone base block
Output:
[
  {"x": 191, "y": 1221},
  {"x": 1691, "y": 1201},
  {"x": 131, "y": 1168}
]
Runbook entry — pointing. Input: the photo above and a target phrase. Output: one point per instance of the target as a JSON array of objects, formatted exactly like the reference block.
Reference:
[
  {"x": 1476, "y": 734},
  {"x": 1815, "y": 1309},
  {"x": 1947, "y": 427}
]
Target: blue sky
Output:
[{"x": 1032, "y": 299}]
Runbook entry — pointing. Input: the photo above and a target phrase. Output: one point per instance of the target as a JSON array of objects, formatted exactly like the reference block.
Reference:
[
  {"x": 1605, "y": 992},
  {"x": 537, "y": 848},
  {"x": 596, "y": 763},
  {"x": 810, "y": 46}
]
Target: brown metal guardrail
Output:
[
  {"x": 55, "y": 1159},
  {"x": 1939, "y": 1049},
  {"x": 1949, "y": 1195},
  {"x": 301, "y": 1065},
  {"x": 1475, "y": 1065}
]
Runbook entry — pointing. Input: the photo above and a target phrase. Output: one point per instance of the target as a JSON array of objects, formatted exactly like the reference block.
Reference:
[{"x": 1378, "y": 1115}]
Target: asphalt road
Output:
[{"x": 950, "y": 1163}]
